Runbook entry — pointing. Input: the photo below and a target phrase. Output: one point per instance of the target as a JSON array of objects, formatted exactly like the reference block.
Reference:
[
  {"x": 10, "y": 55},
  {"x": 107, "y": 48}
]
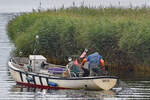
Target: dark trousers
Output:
[{"x": 86, "y": 72}]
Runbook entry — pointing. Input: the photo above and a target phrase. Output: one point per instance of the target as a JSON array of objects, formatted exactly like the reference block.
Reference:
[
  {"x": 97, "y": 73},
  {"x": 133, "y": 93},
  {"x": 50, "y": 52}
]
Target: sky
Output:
[{"x": 28, "y": 5}]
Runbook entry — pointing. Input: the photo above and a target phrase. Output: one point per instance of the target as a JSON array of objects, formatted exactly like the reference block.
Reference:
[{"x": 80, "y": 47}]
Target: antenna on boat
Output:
[
  {"x": 35, "y": 47},
  {"x": 36, "y": 43}
]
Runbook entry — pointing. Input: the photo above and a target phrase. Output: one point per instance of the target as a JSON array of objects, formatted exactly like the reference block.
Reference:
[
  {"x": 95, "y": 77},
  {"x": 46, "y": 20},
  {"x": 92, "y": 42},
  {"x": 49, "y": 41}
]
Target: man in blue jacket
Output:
[{"x": 96, "y": 63}]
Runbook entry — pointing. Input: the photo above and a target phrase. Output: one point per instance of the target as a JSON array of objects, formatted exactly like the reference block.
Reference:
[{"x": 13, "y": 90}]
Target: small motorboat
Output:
[{"x": 30, "y": 72}]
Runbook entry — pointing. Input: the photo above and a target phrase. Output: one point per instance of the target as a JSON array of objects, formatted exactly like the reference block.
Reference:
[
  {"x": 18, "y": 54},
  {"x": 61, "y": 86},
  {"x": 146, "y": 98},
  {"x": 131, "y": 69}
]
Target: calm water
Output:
[{"x": 128, "y": 89}]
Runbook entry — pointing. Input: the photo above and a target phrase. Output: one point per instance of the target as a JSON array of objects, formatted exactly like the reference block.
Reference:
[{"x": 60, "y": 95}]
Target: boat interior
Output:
[{"x": 23, "y": 64}]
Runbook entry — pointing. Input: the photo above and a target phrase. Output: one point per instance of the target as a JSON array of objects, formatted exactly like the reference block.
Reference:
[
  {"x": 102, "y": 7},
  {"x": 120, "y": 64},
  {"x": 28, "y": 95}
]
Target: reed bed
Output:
[{"x": 121, "y": 36}]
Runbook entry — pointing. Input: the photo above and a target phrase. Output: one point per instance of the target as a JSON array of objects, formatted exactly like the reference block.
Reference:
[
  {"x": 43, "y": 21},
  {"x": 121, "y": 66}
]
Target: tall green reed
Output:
[{"x": 121, "y": 36}]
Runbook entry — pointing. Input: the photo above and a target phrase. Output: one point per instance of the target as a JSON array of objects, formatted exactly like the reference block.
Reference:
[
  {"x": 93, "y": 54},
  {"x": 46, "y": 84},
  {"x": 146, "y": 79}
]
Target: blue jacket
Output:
[{"x": 94, "y": 58}]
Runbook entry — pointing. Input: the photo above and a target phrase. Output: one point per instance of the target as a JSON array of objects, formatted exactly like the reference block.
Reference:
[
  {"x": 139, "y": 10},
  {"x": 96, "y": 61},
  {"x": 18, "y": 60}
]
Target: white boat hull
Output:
[{"x": 46, "y": 81}]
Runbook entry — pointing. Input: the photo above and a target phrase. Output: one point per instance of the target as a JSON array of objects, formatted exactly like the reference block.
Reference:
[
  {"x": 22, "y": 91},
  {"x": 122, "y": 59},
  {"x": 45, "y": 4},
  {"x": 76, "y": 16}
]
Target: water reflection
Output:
[
  {"x": 70, "y": 94},
  {"x": 135, "y": 90}
]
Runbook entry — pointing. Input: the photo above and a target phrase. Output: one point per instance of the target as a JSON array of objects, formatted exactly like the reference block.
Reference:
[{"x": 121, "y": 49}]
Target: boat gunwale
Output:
[{"x": 60, "y": 78}]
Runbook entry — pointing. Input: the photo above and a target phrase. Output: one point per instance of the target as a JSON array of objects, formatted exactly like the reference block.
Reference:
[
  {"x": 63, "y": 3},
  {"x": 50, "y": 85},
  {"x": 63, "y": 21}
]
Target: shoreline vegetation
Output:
[{"x": 121, "y": 36}]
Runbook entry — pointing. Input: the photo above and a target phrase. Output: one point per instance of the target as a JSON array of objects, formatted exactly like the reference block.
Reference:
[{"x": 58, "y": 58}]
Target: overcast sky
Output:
[{"x": 28, "y": 5}]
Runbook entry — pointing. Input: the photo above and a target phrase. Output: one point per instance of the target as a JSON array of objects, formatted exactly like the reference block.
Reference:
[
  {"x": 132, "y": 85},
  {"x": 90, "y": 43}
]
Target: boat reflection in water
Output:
[{"x": 36, "y": 93}]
